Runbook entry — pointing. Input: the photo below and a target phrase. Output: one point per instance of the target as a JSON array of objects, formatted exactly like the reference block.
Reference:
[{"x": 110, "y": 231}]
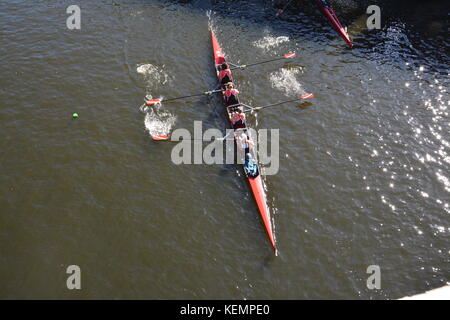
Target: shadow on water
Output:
[
  {"x": 227, "y": 169},
  {"x": 268, "y": 261}
]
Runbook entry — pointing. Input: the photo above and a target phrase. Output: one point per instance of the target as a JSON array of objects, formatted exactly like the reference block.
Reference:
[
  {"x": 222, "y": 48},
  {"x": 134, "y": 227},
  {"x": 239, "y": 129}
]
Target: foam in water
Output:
[
  {"x": 269, "y": 42},
  {"x": 210, "y": 16},
  {"x": 286, "y": 81},
  {"x": 158, "y": 122},
  {"x": 153, "y": 75}
]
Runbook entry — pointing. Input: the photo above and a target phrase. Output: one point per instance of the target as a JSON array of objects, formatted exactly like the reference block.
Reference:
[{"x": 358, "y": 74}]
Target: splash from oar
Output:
[{"x": 159, "y": 123}]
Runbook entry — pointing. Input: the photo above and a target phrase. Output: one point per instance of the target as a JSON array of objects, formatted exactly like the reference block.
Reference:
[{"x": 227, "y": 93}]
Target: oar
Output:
[
  {"x": 161, "y": 137},
  {"x": 279, "y": 12},
  {"x": 284, "y": 56},
  {"x": 302, "y": 97},
  {"x": 164, "y": 137},
  {"x": 234, "y": 65},
  {"x": 154, "y": 101}
]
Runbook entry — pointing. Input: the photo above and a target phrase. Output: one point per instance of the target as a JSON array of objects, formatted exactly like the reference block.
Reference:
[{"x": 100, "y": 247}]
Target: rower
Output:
[
  {"x": 242, "y": 141},
  {"x": 250, "y": 166},
  {"x": 230, "y": 94},
  {"x": 238, "y": 118},
  {"x": 224, "y": 74}
]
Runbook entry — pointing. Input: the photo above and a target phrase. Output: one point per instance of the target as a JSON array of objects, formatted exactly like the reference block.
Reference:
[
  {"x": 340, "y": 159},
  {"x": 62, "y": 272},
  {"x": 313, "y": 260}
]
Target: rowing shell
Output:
[
  {"x": 331, "y": 15},
  {"x": 255, "y": 182}
]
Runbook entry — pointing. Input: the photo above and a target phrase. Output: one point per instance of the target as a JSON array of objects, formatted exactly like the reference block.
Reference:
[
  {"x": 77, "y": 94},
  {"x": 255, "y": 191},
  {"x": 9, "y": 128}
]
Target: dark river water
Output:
[{"x": 364, "y": 172}]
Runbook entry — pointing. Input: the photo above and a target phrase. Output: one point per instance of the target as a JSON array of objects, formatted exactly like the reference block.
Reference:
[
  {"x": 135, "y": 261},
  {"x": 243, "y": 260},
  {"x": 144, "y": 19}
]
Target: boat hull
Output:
[
  {"x": 260, "y": 197},
  {"x": 255, "y": 182},
  {"x": 332, "y": 17}
]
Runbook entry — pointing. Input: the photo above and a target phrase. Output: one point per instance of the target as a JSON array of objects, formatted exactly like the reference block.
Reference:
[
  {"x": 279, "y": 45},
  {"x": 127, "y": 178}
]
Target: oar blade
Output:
[
  {"x": 307, "y": 96},
  {"x": 152, "y": 102},
  {"x": 289, "y": 55},
  {"x": 160, "y": 137}
]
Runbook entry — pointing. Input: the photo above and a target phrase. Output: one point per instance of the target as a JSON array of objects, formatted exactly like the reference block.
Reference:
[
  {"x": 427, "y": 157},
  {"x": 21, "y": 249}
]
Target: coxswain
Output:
[{"x": 250, "y": 166}]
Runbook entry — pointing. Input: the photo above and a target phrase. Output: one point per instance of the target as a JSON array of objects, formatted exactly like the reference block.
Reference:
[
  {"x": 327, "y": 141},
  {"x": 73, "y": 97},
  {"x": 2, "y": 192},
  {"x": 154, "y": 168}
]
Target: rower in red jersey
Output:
[
  {"x": 238, "y": 118},
  {"x": 230, "y": 94},
  {"x": 224, "y": 74}
]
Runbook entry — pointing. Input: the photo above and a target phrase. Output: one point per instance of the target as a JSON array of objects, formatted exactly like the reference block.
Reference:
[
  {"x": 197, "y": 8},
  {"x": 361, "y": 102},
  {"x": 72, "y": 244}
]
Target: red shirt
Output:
[
  {"x": 229, "y": 92},
  {"x": 224, "y": 73},
  {"x": 236, "y": 117}
]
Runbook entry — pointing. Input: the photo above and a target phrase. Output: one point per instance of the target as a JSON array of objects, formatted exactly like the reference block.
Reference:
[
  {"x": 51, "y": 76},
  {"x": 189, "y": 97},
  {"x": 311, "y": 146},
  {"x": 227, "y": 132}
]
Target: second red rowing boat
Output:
[{"x": 331, "y": 15}]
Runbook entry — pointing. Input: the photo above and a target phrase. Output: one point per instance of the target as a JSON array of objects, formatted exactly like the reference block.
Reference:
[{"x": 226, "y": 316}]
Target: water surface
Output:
[{"x": 364, "y": 171}]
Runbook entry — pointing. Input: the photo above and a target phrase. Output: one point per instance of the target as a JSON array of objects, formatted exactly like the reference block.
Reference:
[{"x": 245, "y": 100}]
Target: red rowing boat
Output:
[
  {"x": 331, "y": 15},
  {"x": 254, "y": 179}
]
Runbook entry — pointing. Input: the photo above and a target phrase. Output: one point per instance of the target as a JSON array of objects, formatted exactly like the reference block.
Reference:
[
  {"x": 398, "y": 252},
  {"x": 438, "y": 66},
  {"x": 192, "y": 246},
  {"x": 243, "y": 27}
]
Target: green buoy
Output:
[{"x": 75, "y": 115}]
